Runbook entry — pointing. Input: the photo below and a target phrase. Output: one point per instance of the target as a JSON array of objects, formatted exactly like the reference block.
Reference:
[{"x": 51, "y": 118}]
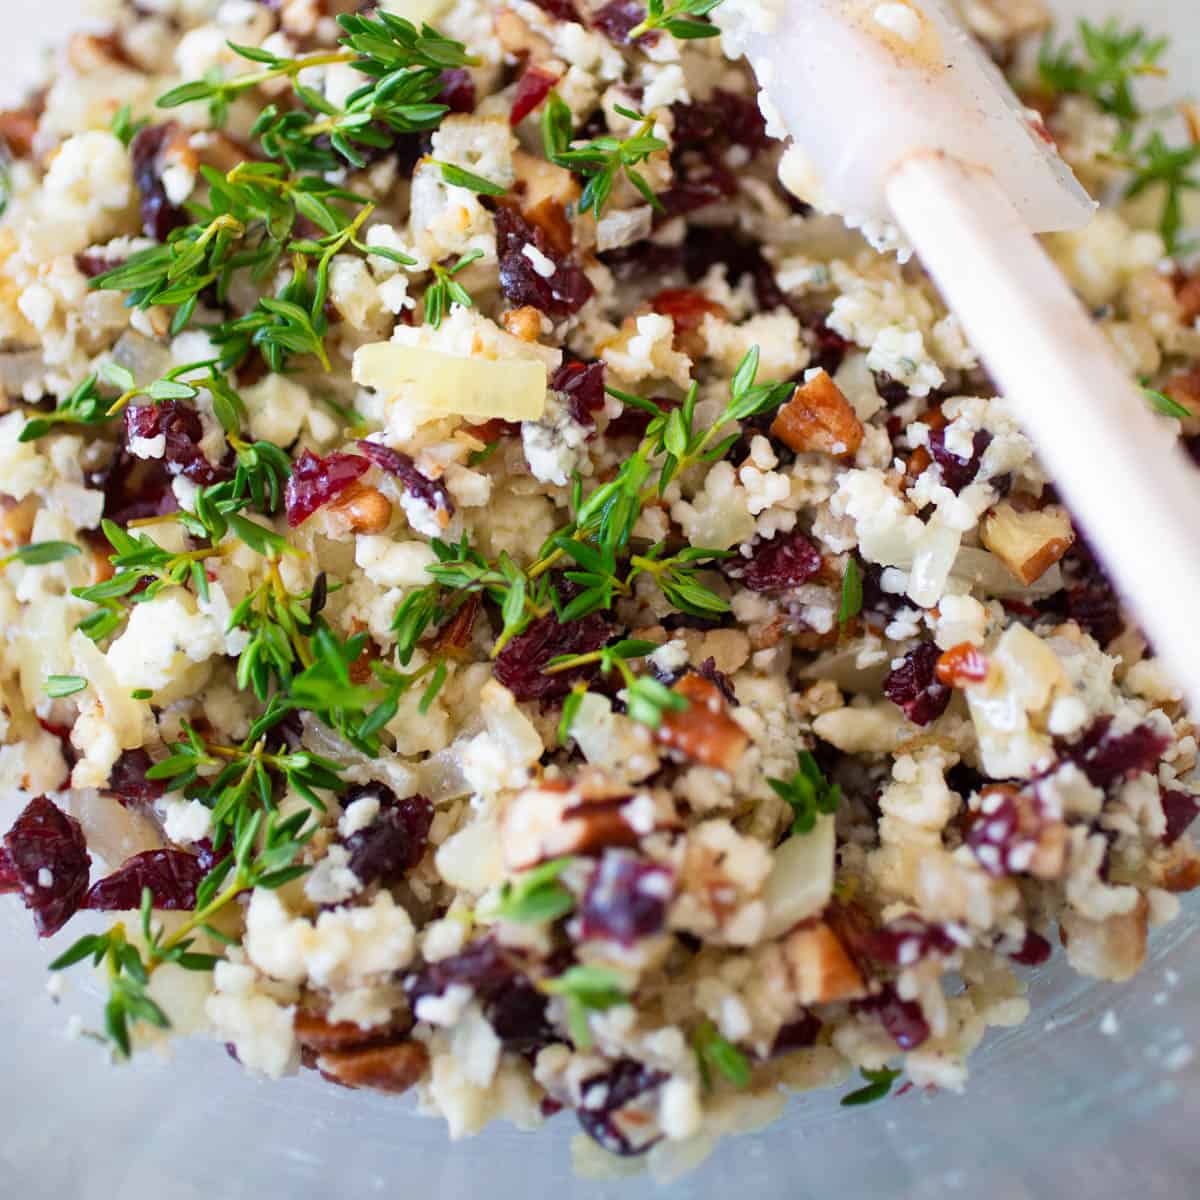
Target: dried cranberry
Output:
[
  {"x": 516, "y": 1012},
  {"x": 908, "y": 940},
  {"x": 582, "y": 384},
  {"x": 632, "y": 422},
  {"x": 708, "y": 670},
  {"x": 617, "y": 19},
  {"x": 458, "y": 90},
  {"x": 134, "y": 488},
  {"x": 159, "y": 215},
  {"x": 603, "y": 1098},
  {"x": 532, "y": 88},
  {"x": 626, "y": 899},
  {"x": 563, "y": 10},
  {"x": 171, "y": 875},
  {"x": 482, "y": 966},
  {"x": 828, "y": 348},
  {"x": 44, "y": 858},
  {"x": 563, "y": 293},
  {"x": 91, "y": 263},
  {"x": 891, "y": 391},
  {"x": 786, "y": 561},
  {"x": 431, "y": 492},
  {"x": 696, "y": 187},
  {"x": 316, "y": 481},
  {"x": 902, "y": 1019},
  {"x": 182, "y": 432},
  {"x": 1094, "y": 607},
  {"x": 1107, "y": 758},
  {"x": 1034, "y": 950},
  {"x": 641, "y": 261},
  {"x": 1180, "y": 809},
  {"x": 127, "y": 780},
  {"x": 706, "y": 247},
  {"x": 395, "y": 841},
  {"x": 914, "y": 686},
  {"x": 797, "y": 1034},
  {"x": 1003, "y": 834},
  {"x": 724, "y": 119},
  {"x": 957, "y": 472},
  {"x": 519, "y": 666}
]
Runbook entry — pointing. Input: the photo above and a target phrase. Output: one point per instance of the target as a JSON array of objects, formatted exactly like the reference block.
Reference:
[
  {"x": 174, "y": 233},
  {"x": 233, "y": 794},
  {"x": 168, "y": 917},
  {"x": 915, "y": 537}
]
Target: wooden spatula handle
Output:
[{"x": 1133, "y": 490}]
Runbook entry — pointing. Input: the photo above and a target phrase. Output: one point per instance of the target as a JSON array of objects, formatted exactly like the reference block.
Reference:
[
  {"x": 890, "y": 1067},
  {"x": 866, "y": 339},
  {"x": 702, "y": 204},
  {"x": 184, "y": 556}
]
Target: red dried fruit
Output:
[
  {"x": 127, "y": 780},
  {"x": 1034, "y": 950},
  {"x": 958, "y": 472},
  {"x": 171, "y": 875},
  {"x": 1107, "y": 758},
  {"x": 134, "y": 488},
  {"x": 395, "y": 841},
  {"x": 516, "y": 1011},
  {"x": 608, "y": 1112},
  {"x": 697, "y": 187},
  {"x": 724, "y": 119},
  {"x": 828, "y": 348},
  {"x": 902, "y": 1019},
  {"x": 182, "y": 431},
  {"x": 532, "y": 88},
  {"x": 914, "y": 687},
  {"x": 786, "y": 561},
  {"x": 563, "y": 10},
  {"x": 44, "y": 859},
  {"x": 796, "y": 1035},
  {"x": 563, "y": 293},
  {"x": 908, "y": 940},
  {"x": 458, "y": 90},
  {"x": 519, "y": 666},
  {"x": 617, "y": 19},
  {"x": 1180, "y": 809},
  {"x": 582, "y": 386},
  {"x": 626, "y": 899},
  {"x": 483, "y": 966},
  {"x": 1095, "y": 608},
  {"x": 431, "y": 492},
  {"x": 315, "y": 481},
  {"x": 159, "y": 215}
]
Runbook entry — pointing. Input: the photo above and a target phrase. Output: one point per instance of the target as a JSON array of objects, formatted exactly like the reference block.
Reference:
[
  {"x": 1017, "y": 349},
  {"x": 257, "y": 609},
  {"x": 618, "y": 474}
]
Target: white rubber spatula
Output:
[{"x": 897, "y": 119}]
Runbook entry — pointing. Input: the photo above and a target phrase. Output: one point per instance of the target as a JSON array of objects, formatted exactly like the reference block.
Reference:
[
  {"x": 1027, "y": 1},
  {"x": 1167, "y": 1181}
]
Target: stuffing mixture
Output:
[{"x": 502, "y": 600}]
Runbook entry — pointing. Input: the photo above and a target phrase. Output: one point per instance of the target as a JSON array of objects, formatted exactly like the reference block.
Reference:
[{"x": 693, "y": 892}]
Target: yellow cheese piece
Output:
[
  {"x": 419, "y": 12},
  {"x": 511, "y": 389}
]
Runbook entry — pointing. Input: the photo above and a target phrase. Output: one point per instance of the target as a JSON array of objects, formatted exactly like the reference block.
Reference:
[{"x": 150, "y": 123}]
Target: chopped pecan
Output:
[
  {"x": 18, "y": 127},
  {"x": 454, "y": 637},
  {"x": 16, "y": 521},
  {"x": 392, "y": 1068},
  {"x": 820, "y": 967},
  {"x": 704, "y": 731},
  {"x": 687, "y": 308},
  {"x": 1187, "y": 293},
  {"x": 819, "y": 418},
  {"x": 583, "y": 817},
  {"x": 316, "y": 1032},
  {"x": 1112, "y": 949},
  {"x": 961, "y": 665},
  {"x": 1028, "y": 543},
  {"x": 365, "y": 509},
  {"x": 524, "y": 323}
]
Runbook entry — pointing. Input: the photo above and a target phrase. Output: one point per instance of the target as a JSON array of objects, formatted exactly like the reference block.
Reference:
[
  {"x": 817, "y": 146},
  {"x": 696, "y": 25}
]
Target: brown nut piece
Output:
[
  {"x": 16, "y": 521},
  {"x": 1112, "y": 949},
  {"x": 819, "y": 418},
  {"x": 18, "y": 127},
  {"x": 317, "y": 1033},
  {"x": 392, "y": 1068},
  {"x": 524, "y": 322},
  {"x": 704, "y": 731},
  {"x": 364, "y": 509},
  {"x": 1028, "y": 543},
  {"x": 820, "y": 967},
  {"x": 687, "y": 308}
]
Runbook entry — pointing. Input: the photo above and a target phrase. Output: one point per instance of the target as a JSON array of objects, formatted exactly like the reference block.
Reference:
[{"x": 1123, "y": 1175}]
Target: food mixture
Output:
[{"x": 502, "y": 599}]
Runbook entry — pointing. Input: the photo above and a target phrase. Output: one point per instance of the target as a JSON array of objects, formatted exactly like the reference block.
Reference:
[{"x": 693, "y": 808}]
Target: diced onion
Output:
[
  {"x": 510, "y": 389},
  {"x": 801, "y": 879}
]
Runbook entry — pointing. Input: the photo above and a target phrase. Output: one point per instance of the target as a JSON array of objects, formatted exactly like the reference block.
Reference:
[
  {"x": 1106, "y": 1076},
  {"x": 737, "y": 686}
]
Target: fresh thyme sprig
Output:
[
  {"x": 808, "y": 793},
  {"x": 647, "y": 700},
  {"x": 851, "y": 602},
  {"x": 683, "y": 20},
  {"x": 263, "y": 857},
  {"x": 123, "y": 127},
  {"x": 716, "y": 1053},
  {"x": 446, "y": 290},
  {"x": 83, "y": 405},
  {"x": 536, "y": 897},
  {"x": 1104, "y": 66},
  {"x": 404, "y": 66},
  {"x": 601, "y": 160},
  {"x": 39, "y": 554},
  {"x": 879, "y": 1084},
  {"x": 1177, "y": 169},
  {"x": 585, "y": 990}
]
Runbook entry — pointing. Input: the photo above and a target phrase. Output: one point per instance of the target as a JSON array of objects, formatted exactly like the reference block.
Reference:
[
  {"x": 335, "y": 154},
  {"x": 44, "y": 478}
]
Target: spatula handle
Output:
[{"x": 1133, "y": 490}]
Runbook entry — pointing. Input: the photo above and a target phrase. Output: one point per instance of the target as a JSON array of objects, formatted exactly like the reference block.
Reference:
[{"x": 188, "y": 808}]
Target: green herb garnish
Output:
[
  {"x": 716, "y": 1053},
  {"x": 586, "y": 990},
  {"x": 879, "y": 1084},
  {"x": 851, "y": 601},
  {"x": 808, "y": 793},
  {"x": 58, "y": 686},
  {"x": 536, "y": 897},
  {"x": 682, "y": 20}
]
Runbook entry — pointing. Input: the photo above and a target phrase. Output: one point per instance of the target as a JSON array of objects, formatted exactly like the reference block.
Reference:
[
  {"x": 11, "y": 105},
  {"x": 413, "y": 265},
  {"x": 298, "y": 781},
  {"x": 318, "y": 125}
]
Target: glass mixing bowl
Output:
[{"x": 1058, "y": 1107}]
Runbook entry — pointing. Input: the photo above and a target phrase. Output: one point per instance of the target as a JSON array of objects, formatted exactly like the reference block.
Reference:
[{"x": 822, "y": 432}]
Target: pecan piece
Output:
[
  {"x": 317, "y": 1033},
  {"x": 704, "y": 731},
  {"x": 392, "y": 1068},
  {"x": 1028, "y": 543},
  {"x": 820, "y": 967},
  {"x": 17, "y": 128},
  {"x": 819, "y": 418},
  {"x": 365, "y": 509}
]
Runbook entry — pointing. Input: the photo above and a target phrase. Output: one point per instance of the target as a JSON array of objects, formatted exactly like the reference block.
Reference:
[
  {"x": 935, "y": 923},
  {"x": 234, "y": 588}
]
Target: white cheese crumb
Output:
[
  {"x": 1109, "y": 1025},
  {"x": 359, "y": 814},
  {"x": 541, "y": 264}
]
